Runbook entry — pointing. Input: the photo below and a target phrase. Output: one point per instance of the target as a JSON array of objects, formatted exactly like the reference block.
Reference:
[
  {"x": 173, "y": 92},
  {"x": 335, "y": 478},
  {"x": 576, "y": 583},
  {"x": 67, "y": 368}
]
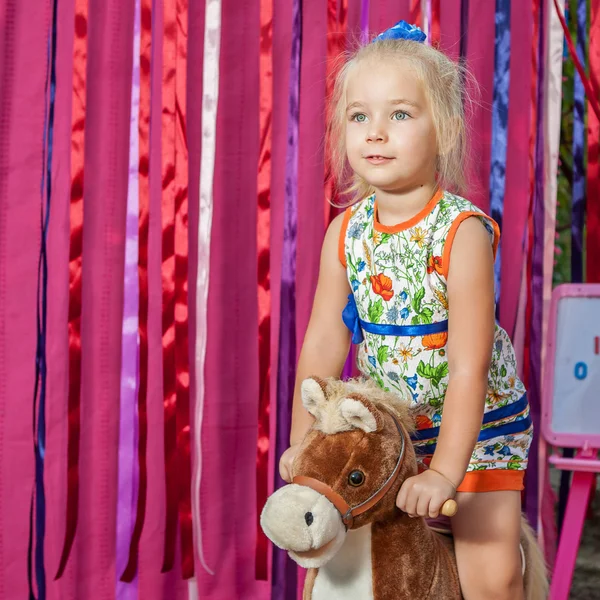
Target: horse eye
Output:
[{"x": 356, "y": 478}]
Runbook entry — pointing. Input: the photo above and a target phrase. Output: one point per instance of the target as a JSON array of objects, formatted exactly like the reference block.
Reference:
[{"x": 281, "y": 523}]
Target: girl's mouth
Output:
[{"x": 377, "y": 159}]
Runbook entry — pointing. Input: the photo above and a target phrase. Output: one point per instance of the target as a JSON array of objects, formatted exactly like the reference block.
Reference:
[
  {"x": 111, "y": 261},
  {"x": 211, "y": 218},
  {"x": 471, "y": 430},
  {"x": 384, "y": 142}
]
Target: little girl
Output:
[{"x": 407, "y": 273}]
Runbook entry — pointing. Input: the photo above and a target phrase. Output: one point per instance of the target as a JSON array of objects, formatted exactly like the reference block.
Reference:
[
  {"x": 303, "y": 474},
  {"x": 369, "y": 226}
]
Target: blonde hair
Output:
[{"x": 443, "y": 81}]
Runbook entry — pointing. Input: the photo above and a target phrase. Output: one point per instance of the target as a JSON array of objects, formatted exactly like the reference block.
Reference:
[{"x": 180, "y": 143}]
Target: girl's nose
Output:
[{"x": 376, "y": 133}]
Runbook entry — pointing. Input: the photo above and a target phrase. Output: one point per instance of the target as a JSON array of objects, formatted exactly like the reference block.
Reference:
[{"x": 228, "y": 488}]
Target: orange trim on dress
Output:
[
  {"x": 342, "y": 240},
  {"x": 411, "y": 222},
  {"x": 452, "y": 232},
  {"x": 492, "y": 480}
]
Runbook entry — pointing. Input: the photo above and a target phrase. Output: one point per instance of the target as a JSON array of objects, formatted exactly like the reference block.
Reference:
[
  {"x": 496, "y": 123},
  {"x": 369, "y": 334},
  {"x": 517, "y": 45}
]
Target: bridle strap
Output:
[
  {"x": 348, "y": 513},
  {"x": 325, "y": 490}
]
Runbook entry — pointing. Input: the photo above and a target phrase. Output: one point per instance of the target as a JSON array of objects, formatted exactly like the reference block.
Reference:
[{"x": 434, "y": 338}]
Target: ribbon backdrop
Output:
[{"x": 177, "y": 276}]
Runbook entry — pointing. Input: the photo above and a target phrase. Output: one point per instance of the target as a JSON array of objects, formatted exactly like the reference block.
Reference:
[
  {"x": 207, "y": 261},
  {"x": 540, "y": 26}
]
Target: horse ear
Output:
[
  {"x": 361, "y": 414},
  {"x": 313, "y": 395}
]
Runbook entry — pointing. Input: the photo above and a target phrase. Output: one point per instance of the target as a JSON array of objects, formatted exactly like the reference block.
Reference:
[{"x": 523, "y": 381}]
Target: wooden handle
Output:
[{"x": 449, "y": 508}]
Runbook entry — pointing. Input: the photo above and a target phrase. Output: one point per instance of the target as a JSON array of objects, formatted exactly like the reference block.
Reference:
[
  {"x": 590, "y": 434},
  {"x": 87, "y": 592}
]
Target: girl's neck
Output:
[{"x": 395, "y": 207}]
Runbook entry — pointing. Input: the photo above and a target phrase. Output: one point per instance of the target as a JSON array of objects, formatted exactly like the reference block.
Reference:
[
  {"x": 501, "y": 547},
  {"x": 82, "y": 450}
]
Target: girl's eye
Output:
[
  {"x": 400, "y": 115},
  {"x": 359, "y": 117}
]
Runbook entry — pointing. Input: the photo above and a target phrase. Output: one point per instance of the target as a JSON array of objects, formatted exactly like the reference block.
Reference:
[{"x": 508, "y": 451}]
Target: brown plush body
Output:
[
  {"x": 408, "y": 561},
  {"x": 357, "y": 455}
]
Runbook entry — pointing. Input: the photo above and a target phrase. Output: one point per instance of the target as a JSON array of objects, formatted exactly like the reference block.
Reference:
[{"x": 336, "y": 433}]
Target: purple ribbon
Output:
[
  {"x": 464, "y": 28},
  {"x": 579, "y": 175},
  {"x": 364, "y": 22},
  {"x": 535, "y": 348},
  {"x": 500, "y": 127},
  {"x": 127, "y": 456},
  {"x": 37, "y": 508},
  {"x": 284, "y": 570}
]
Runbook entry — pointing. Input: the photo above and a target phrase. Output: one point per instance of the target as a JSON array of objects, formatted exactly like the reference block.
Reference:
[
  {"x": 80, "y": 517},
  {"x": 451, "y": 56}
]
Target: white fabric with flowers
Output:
[{"x": 398, "y": 314}]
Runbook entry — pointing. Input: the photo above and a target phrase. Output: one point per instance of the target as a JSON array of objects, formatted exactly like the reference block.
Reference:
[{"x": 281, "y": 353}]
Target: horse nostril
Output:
[{"x": 308, "y": 517}]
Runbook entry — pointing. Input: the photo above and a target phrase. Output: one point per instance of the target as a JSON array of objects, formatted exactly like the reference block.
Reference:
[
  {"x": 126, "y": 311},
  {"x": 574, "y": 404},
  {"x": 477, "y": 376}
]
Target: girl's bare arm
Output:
[
  {"x": 327, "y": 339},
  {"x": 470, "y": 338}
]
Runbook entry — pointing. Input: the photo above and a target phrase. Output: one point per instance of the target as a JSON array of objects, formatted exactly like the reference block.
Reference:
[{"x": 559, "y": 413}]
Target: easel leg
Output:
[
  {"x": 563, "y": 491},
  {"x": 570, "y": 537}
]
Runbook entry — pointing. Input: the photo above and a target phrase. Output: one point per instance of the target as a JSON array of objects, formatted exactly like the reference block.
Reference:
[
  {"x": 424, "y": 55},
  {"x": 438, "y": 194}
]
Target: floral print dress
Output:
[{"x": 398, "y": 314}]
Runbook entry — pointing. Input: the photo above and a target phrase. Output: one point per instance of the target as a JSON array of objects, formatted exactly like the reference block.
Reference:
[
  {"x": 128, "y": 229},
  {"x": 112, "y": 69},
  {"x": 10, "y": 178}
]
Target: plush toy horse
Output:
[{"x": 338, "y": 518}]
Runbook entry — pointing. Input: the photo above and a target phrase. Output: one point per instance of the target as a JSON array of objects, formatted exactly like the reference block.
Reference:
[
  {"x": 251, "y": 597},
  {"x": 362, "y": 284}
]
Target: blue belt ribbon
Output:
[
  {"x": 487, "y": 434},
  {"x": 356, "y": 325},
  {"x": 510, "y": 410}
]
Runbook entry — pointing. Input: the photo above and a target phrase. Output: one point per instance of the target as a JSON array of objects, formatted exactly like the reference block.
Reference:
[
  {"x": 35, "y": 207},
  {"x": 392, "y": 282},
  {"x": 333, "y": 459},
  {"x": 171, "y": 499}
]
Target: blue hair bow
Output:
[{"x": 402, "y": 31}]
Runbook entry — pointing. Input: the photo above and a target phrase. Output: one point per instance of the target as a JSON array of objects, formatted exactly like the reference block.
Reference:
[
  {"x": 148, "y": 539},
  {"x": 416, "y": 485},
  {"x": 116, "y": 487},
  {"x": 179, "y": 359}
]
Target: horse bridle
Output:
[{"x": 346, "y": 511}]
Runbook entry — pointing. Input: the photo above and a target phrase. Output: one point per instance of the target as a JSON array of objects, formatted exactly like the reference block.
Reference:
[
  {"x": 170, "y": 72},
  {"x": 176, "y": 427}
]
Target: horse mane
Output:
[{"x": 399, "y": 405}]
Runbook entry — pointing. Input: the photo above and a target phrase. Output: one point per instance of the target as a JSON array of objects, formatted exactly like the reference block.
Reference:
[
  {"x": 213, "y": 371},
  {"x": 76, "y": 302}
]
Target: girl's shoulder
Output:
[
  {"x": 454, "y": 205},
  {"x": 363, "y": 209},
  {"x": 453, "y": 211},
  {"x": 358, "y": 216},
  {"x": 354, "y": 223}
]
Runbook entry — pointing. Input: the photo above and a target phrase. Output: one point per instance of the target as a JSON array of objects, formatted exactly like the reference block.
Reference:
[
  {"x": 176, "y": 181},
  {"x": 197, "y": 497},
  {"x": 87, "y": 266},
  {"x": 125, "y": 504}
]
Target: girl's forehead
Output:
[{"x": 371, "y": 81}]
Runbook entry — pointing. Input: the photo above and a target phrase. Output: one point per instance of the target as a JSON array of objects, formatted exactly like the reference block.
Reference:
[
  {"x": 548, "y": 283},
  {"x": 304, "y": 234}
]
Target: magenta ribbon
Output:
[{"x": 348, "y": 370}]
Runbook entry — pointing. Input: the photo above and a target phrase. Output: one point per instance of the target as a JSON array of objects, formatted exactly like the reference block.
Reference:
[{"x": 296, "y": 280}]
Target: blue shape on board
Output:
[{"x": 581, "y": 370}]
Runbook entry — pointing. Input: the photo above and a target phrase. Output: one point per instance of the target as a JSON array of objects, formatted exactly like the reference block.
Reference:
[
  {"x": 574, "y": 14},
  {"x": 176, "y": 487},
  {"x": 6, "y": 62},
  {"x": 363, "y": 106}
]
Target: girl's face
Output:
[{"x": 390, "y": 135}]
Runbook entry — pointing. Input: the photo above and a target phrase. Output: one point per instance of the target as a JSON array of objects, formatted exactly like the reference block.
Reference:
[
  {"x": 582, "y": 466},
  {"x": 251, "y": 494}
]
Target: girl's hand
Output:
[
  {"x": 286, "y": 461},
  {"x": 423, "y": 495}
]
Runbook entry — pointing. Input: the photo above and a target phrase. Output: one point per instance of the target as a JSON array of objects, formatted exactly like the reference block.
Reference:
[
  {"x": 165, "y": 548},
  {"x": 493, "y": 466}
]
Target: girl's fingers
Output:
[
  {"x": 423, "y": 503},
  {"x": 434, "y": 507},
  {"x": 411, "y": 502},
  {"x": 401, "y": 497}
]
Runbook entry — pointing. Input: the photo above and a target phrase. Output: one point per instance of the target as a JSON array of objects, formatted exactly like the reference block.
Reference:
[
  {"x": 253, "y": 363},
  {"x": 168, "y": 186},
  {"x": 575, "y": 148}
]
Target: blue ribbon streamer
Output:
[
  {"x": 578, "y": 199},
  {"x": 356, "y": 325},
  {"x": 500, "y": 125},
  {"x": 39, "y": 393}
]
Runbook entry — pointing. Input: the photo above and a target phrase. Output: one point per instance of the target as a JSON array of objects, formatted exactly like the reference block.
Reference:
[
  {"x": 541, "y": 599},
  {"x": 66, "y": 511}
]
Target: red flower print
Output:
[
  {"x": 424, "y": 422},
  {"x": 382, "y": 285},
  {"x": 434, "y": 264}
]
